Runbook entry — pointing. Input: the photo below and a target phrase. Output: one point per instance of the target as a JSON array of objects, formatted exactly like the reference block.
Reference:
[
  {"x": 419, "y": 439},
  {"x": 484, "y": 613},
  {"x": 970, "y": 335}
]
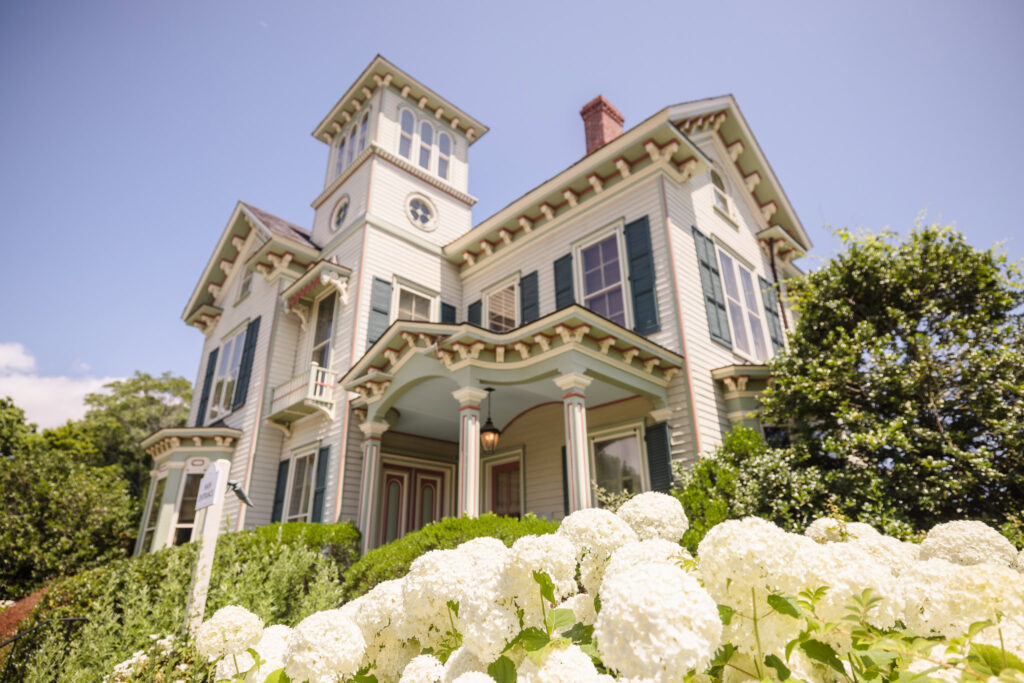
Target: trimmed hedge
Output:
[
  {"x": 282, "y": 572},
  {"x": 392, "y": 560}
]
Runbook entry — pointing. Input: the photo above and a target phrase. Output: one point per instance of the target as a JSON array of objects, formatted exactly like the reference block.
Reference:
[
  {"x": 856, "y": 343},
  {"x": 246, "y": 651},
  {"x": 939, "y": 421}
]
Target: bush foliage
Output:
[
  {"x": 284, "y": 572},
  {"x": 392, "y": 560}
]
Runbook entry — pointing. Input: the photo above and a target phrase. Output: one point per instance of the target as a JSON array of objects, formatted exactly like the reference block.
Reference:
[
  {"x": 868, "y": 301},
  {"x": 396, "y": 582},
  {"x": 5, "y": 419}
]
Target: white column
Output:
[
  {"x": 468, "y": 499},
  {"x": 574, "y": 408},
  {"x": 370, "y": 483}
]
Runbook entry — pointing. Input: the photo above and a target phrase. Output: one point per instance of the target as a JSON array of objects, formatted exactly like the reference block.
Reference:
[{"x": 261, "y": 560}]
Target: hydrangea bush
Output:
[{"x": 613, "y": 596}]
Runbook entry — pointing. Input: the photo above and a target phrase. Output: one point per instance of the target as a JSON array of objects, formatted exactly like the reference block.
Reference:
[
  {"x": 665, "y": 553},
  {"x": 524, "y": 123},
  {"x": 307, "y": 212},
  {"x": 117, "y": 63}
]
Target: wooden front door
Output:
[
  {"x": 411, "y": 497},
  {"x": 505, "y": 489}
]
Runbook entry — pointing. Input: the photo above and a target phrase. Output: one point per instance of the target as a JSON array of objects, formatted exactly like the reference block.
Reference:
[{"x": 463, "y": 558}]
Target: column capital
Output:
[
  {"x": 466, "y": 395},
  {"x": 374, "y": 428},
  {"x": 573, "y": 381}
]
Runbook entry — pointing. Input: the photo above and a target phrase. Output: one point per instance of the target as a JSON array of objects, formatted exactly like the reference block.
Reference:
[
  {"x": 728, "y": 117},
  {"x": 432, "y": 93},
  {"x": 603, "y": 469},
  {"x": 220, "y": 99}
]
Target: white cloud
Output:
[
  {"x": 14, "y": 358},
  {"x": 49, "y": 401}
]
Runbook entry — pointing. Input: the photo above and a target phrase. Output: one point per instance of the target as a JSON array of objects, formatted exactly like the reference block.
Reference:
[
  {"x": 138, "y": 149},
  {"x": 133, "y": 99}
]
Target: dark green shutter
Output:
[
  {"x": 245, "y": 369},
  {"x": 529, "y": 306},
  {"x": 658, "y": 456},
  {"x": 771, "y": 310},
  {"x": 565, "y": 483},
  {"x": 641, "y": 276},
  {"x": 473, "y": 313},
  {"x": 320, "y": 487},
  {"x": 204, "y": 397},
  {"x": 380, "y": 310},
  {"x": 282, "y": 484},
  {"x": 711, "y": 281},
  {"x": 563, "y": 282},
  {"x": 447, "y": 313}
]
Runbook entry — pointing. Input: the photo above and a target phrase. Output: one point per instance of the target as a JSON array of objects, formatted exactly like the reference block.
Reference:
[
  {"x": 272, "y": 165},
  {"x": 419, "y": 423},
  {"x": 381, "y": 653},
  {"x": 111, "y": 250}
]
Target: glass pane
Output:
[
  {"x": 426, "y": 134},
  {"x": 618, "y": 464},
  {"x": 444, "y": 144},
  {"x": 442, "y": 167},
  {"x": 407, "y": 122},
  {"x": 611, "y": 273},
  {"x": 187, "y": 512},
  {"x": 728, "y": 275},
  {"x": 154, "y": 506},
  {"x": 591, "y": 257},
  {"x": 413, "y": 306},
  {"x": 299, "y": 499},
  {"x": 339, "y": 161},
  {"x": 393, "y": 503},
  {"x": 324, "y": 320},
  {"x": 592, "y": 281},
  {"x": 760, "y": 351},
  {"x": 748, "y": 290},
  {"x": 362, "y": 131},
  {"x": 182, "y": 535},
  {"x": 717, "y": 181},
  {"x": 721, "y": 202},
  {"x": 225, "y": 358},
  {"x": 427, "y": 505},
  {"x": 616, "y": 312},
  {"x": 501, "y": 309},
  {"x": 739, "y": 330},
  {"x": 351, "y": 147},
  {"x": 405, "y": 146}
]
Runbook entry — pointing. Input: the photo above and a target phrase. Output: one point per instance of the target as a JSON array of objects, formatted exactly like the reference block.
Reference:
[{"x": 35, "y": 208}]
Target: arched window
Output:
[
  {"x": 408, "y": 126},
  {"x": 350, "y": 155},
  {"x": 363, "y": 126},
  {"x": 426, "y": 144},
  {"x": 721, "y": 198},
  {"x": 444, "y": 153},
  {"x": 339, "y": 158}
]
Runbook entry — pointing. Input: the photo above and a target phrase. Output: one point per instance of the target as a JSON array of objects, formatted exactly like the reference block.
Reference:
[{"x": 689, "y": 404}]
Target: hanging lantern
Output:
[{"x": 489, "y": 434}]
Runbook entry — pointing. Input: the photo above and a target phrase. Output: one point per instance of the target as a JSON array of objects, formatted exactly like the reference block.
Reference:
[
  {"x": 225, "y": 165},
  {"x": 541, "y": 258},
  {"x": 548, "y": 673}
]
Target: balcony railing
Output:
[{"x": 304, "y": 394}]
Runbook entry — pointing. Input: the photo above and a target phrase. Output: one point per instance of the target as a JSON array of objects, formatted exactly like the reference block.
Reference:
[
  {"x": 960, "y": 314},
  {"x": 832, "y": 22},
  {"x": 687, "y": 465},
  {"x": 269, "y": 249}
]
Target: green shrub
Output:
[
  {"x": 282, "y": 572},
  {"x": 392, "y": 560}
]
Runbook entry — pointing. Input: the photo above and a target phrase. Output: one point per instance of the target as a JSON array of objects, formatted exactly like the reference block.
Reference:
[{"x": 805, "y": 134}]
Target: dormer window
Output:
[
  {"x": 426, "y": 144},
  {"x": 721, "y": 197},
  {"x": 444, "y": 154},
  {"x": 408, "y": 126}
]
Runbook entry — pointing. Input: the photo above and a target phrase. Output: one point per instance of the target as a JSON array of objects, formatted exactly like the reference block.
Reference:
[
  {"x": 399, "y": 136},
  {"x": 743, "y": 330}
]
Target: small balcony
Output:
[{"x": 304, "y": 394}]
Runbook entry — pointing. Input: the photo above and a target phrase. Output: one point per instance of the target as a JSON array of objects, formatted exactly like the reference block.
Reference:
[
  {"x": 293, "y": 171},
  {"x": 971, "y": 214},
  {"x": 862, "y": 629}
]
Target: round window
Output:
[
  {"x": 421, "y": 212},
  {"x": 339, "y": 213}
]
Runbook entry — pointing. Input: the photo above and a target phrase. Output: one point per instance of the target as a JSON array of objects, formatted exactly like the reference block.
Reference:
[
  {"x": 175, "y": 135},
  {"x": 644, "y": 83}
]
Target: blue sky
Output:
[{"x": 129, "y": 129}]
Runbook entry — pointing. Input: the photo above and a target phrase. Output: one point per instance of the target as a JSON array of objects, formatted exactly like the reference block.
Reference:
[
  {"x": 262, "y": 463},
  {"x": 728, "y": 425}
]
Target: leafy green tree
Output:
[
  {"x": 124, "y": 414},
  {"x": 58, "y": 514},
  {"x": 904, "y": 379}
]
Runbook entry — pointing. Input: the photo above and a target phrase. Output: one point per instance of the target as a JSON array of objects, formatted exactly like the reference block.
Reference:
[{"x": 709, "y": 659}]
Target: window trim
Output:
[
  {"x": 310, "y": 449},
  {"x": 485, "y": 297},
  {"x": 487, "y": 465},
  {"x": 342, "y": 205},
  {"x": 431, "y": 224},
  {"x": 193, "y": 466},
  {"x": 766, "y": 338},
  {"x": 314, "y": 313},
  {"x": 399, "y": 283},
  {"x": 614, "y": 432},
  {"x": 416, "y": 143},
  {"x": 618, "y": 229},
  {"x": 240, "y": 331},
  {"x": 244, "y": 284},
  {"x": 154, "y": 483}
]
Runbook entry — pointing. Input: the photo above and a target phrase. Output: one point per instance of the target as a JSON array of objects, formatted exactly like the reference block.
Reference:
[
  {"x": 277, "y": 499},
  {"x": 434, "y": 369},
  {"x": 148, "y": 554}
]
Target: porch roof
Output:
[
  {"x": 571, "y": 338},
  {"x": 164, "y": 441}
]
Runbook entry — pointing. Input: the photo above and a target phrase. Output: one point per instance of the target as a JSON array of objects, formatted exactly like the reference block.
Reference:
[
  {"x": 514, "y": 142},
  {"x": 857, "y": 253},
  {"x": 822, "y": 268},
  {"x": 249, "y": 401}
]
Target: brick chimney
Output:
[{"x": 602, "y": 122}]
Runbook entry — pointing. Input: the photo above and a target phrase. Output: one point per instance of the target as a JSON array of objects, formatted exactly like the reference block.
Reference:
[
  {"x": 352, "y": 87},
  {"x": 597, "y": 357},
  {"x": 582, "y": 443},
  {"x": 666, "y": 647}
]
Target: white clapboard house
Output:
[{"x": 621, "y": 311}]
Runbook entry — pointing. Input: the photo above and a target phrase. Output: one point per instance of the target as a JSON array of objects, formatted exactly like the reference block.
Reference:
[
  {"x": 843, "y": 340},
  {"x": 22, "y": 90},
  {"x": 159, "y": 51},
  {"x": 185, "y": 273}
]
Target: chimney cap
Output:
[{"x": 600, "y": 102}]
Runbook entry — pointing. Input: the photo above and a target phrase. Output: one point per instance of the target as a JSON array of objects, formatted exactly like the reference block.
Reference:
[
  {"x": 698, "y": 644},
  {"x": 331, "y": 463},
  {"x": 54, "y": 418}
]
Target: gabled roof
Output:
[
  {"x": 247, "y": 223},
  {"x": 655, "y": 141},
  {"x": 722, "y": 115},
  {"x": 382, "y": 73}
]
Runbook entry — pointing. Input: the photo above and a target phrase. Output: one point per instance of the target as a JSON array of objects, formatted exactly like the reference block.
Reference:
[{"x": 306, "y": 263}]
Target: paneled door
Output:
[
  {"x": 505, "y": 489},
  {"x": 411, "y": 497}
]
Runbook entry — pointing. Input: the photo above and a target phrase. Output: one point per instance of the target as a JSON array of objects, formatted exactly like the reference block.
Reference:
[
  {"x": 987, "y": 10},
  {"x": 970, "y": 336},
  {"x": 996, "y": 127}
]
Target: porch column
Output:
[
  {"x": 468, "y": 499},
  {"x": 370, "y": 482},
  {"x": 577, "y": 462}
]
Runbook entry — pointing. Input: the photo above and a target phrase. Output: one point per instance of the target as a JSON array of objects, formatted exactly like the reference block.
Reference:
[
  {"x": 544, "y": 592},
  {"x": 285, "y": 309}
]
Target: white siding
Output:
[
  {"x": 389, "y": 197},
  {"x": 357, "y": 187}
]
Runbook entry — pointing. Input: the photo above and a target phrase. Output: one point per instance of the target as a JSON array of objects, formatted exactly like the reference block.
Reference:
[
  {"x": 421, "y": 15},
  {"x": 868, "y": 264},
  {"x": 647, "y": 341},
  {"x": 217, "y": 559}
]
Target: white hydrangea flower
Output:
[
  {"x": 848, "y": 571},
  {"x": 596, "y": 534},
  {"x": 895, "y": 554},
  {"x": 968, "y": 543},
  {"x": 460, "y": 662},
  {"x": 741, "y": 561},
  {"x": 124, "y": 671},
  {"x": 559, "y": 665},
  {"x": 230, "y": 631},
  {"x": 1018, "y": 564},
  {"x": 946, "y": 598},
  {"x": 1008, "y": 634},
  {"x": 487, "y": 625},
  {"x": 582, "y": 605},
  {"x": 324, "y": 646},
  {"x": 652, "y": 551},
  {"x": 379, "y": 614},
  {"x": 231, "y": 665},
  {"x": 831, "y": 530},
  {"x": 936, "y": 656},
  {"x": 657, "y": 622},
  {"x": 474, "y": 677},
  {"x": 655, "y": 515},
  {"x": 423, "y": 669},
  {"x": 552, "y": 554}
]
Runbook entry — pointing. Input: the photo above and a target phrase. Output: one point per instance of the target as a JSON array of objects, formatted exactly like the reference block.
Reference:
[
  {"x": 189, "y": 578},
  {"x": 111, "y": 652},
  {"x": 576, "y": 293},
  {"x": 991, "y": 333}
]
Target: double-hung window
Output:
[
  {"x": 228, "y": 362},
  {"x": 426, "y": 144},
  {"x": 444, "y": 154},
  {"x": 408, "y": 125},
  {"x": 301, "y": 489},
  {"x": 744, "y": 309},
  {"x": 602, "y": 279},
  {"x": 502, "y": 305},
  {"x": 412, "y": 305},
  {"x": 323, "y": 333},
  {"x": 619, "y": 460}
]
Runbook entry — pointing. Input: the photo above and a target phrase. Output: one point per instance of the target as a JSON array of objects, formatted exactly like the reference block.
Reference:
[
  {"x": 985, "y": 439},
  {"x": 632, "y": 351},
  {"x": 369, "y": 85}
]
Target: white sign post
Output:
[{"x": 212, "y": 488}]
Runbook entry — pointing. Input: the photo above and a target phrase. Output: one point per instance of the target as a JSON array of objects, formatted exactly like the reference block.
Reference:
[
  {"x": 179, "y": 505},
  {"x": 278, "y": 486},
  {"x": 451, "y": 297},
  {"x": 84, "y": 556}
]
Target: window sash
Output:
[
  {"x": 744, "y": 312},
  {"x": 187, "y": 509},
  {"x": 501, "y": 309},
  {"x": 601, "y": 270},
  {"x": 154, "y": 512},
  {"x": 408, "y": 125},
  {"x": 323, "y": 332},
  {"x": 300, "y": 491},
  {"x": 618, "y": 463},
  {"x": 413, "y": 306},
  {"x": 426, "y": 144},
  {"x": 227, "y": 375},
  {"x": 444, "y": 151}
]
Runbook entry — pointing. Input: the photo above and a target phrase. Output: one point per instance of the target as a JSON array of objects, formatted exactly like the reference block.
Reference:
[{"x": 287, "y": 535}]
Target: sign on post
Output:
[
  {"x": 207, "y": 489},
  {"x": 211, "y": 497}
]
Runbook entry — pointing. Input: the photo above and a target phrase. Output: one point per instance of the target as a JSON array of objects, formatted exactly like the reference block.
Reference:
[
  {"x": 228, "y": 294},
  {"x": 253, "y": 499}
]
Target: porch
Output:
[{"x": 579, "y": 401}]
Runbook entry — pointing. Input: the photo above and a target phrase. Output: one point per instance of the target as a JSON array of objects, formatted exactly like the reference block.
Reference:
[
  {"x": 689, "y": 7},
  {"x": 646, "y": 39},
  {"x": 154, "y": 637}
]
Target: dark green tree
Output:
[{"x": 904, "y": 379}]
